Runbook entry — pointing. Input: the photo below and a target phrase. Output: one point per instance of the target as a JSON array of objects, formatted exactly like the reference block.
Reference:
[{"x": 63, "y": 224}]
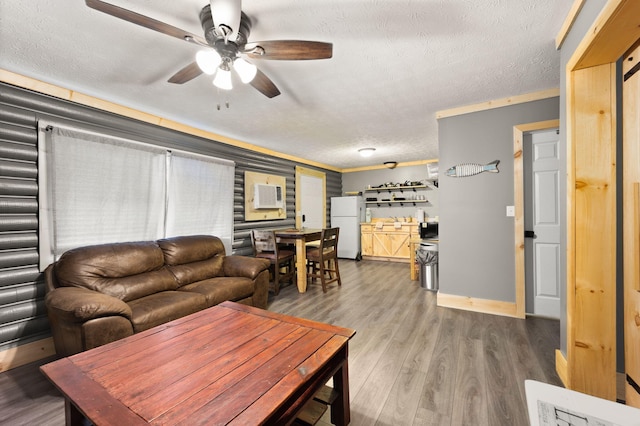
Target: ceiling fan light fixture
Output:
[
  {"x": 222, "y": 80},
  {"x": 208, "y": 60},
  {"x": 246, "y": 70},
  {"x": 366, "y": 152}
]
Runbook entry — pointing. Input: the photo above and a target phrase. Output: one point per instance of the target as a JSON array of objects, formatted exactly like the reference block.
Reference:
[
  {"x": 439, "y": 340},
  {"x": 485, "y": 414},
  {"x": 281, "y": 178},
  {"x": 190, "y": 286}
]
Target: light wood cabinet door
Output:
[
  {"x": 391, "y": 244},
  {"x": 366, "y": 240},
  {"x": 380, "y": 244},
  {"x": 388, "y": 241}
]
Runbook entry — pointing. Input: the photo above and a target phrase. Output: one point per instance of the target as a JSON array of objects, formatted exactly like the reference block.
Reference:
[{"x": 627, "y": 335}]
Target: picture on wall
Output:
[{"x": 472, "y": 169}]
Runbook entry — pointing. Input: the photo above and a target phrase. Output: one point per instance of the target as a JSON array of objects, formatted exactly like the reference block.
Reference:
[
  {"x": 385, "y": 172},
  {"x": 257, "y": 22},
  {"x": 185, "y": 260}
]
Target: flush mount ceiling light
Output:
[
  {"x": 366, "y": 152},
  {"x": 390, "y": 164}
]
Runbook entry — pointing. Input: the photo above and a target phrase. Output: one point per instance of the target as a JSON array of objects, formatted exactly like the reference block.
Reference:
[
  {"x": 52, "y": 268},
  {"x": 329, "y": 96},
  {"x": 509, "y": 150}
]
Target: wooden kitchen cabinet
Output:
[
  {"x": 366, "y": 239},
  {"x": 389, "y": 241}
]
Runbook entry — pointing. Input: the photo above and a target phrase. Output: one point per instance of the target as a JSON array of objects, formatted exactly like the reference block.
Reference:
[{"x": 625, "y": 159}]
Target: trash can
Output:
[{"x": 427, "y": 258}]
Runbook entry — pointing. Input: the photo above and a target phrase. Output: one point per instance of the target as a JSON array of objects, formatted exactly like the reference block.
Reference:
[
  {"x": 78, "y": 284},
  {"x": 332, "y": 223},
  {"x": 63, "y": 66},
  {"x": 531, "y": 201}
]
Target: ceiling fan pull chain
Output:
[{"x": 226, "y": 103}]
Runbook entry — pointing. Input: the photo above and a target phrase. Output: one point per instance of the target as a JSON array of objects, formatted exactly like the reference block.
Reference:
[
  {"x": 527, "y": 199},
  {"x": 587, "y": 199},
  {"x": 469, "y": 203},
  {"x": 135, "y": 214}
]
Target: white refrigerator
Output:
[{"x": 347, "y": 213}]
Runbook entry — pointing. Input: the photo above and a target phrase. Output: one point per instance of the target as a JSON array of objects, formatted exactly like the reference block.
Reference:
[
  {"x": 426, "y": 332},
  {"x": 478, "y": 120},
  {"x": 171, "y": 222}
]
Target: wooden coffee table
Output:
[{"x": 230, "y": 364}]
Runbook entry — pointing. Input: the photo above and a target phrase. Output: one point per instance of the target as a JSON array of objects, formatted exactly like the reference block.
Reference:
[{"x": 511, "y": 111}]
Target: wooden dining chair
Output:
[
  {"x": 283, "y": 266},
  {"x": 322, "y": 262}
]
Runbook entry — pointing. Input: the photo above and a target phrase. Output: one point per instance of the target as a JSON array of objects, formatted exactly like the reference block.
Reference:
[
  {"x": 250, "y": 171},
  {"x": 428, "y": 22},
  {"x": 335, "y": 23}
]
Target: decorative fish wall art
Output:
[{"x": 472, "y": 169}]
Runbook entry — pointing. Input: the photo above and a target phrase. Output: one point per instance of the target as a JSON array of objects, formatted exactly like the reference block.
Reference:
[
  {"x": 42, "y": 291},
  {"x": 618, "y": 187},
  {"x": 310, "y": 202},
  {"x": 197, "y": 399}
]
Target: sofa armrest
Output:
[
  {"x": 244, "y": 266},
  {"x": 74, "y": 304}
]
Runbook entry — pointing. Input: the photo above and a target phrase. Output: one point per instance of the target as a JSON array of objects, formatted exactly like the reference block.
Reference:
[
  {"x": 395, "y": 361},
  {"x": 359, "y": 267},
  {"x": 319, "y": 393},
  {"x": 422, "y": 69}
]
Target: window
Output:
[
  {"x": 98, "y": 189},
  {"x": 200, "y": 197}
]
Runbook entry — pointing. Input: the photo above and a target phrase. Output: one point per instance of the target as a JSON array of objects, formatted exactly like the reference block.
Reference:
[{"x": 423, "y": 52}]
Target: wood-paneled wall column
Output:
[
  {"x": 591, "y": 293},
  {"x": 591, "y": 194}
]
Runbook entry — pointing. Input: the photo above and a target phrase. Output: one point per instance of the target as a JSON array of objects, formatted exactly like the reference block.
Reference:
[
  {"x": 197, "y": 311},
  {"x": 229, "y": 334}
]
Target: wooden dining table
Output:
[{"x": 300, "y": 237}]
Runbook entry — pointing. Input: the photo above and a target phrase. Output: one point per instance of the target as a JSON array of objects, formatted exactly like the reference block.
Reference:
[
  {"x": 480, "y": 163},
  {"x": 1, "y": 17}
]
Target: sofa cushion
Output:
[
  {"x": 126, "y": 271},
  {"x": 190, "y": 248},
  {"x": 220, "y": 289},
  {"x": 193, "y": 258},
  {"x": 165, "y": 306}
]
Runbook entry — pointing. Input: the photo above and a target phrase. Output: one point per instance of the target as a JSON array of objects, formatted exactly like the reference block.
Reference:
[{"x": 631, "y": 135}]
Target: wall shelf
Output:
[
  {"x": 396, "y": 188},
  {"x": 400, "y": 202},
  {"x": 397, "y": 202}
]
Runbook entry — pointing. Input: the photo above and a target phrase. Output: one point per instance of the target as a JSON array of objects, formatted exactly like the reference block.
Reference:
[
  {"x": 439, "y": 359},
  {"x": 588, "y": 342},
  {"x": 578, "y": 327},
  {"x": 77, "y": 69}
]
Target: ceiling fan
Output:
[{"x": 226, "y": 45}]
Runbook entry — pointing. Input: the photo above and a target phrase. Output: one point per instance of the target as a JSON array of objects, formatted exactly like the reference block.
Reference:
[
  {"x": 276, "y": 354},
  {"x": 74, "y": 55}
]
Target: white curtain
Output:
[
  {"x": 200, "y": 197},
  {"x": 98, "y": 189}
]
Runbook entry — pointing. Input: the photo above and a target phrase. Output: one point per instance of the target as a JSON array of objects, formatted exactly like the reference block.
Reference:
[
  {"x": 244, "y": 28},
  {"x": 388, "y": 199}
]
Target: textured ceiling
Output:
[{"x": 395, "y": 63}]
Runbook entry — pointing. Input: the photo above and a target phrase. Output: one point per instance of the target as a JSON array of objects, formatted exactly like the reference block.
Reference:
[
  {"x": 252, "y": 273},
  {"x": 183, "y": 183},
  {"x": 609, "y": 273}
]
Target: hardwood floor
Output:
[
  {"x": 413, "y": 363},
  {"x": 27, "y": 398},
  {"x": 410, "y": 362}
]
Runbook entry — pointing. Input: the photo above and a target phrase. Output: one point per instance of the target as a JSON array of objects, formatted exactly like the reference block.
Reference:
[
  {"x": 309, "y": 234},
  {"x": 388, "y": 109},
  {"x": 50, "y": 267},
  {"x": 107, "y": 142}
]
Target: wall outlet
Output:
[{"x": 511, "y": 211}]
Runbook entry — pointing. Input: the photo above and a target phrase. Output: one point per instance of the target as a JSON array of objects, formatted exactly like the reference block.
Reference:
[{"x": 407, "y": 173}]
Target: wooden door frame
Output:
[
  {"x": 518, "y": 197},
  {"x": 313, "y": 173},
  {"x": 590, "y": 363},
  {"x": 631, "y": 225}
]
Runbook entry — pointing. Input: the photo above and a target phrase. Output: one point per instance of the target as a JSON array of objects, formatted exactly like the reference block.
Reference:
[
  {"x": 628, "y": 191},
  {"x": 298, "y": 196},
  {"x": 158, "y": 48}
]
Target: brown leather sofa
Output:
[{"x": 102, "y": 293}]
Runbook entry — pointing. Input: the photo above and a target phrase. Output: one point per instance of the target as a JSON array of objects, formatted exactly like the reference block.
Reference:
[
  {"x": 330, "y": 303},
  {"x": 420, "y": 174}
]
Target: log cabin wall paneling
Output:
[{"x": 22, "y": 313}]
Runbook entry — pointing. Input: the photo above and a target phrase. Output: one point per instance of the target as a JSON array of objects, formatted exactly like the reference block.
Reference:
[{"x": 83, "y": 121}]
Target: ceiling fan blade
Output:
[
  {"x": 264, "y": 85},
  {"x": 227, "y": 12},
  {"x": 289, "y": 50},
  {"x": 187, "y": 73},
  {"x": 145, "y": 21}
]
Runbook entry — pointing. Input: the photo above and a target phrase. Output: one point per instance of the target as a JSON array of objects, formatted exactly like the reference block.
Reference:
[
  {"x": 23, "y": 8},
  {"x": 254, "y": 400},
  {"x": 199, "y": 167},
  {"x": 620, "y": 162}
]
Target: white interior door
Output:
[
  {"x": 310, "y": 198},
  {"x": 542, "y": 216}
]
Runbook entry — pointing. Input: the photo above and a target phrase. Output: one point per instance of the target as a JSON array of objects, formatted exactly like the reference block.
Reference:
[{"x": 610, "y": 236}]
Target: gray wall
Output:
[
  {"x": 477, "y": 257},
  {"x": 588, "y": 14},
  {"x": 358, "y": 181}
]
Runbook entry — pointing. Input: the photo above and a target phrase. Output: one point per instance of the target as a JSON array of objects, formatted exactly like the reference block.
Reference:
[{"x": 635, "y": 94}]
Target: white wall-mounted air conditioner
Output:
[{"x": 267, "y": 196}]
